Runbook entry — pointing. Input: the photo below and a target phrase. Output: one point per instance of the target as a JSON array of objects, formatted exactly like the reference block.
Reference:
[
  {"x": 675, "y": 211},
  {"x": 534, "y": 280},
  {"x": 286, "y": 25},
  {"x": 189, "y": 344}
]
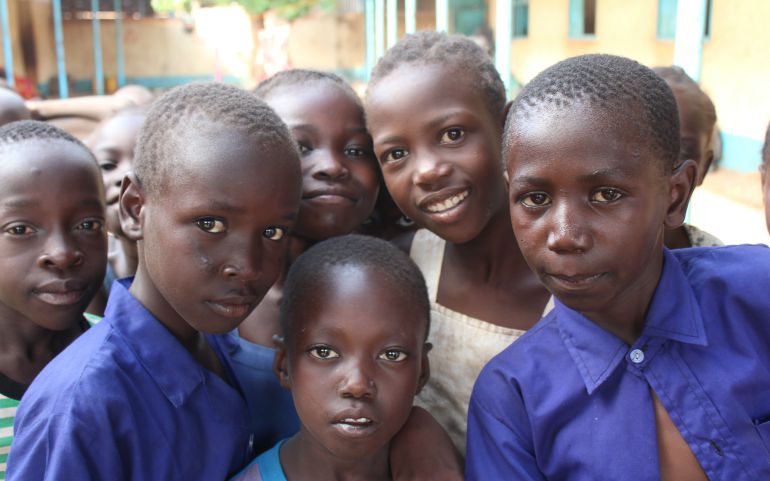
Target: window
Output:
[
  {"x": 520, "y": 18},
  {"x": 582, "y": 18},
  {"x": 667, "y": 19}
]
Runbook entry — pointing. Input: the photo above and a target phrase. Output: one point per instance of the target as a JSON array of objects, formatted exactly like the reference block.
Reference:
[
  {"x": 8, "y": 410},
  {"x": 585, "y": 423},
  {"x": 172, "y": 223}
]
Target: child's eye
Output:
[
  {"x": 395, "y": 155},
  {"x": 452, "y": 135},
  {"x": 108, "y": 166},
  {"x": 20, "y": 230},
  {"x": 323, "y": 352},
  {"x": 209, "y": 224},
  {"x": 303, "y": 148},
  {"x": 274, "y": 233},
  {"x": 606, "y": 195},
  {"x": 395, "y": 355},
  {"x": 91, "y": 225},
  {"x": 535, "y": 199},
  {"x": 356, "y": 151}
]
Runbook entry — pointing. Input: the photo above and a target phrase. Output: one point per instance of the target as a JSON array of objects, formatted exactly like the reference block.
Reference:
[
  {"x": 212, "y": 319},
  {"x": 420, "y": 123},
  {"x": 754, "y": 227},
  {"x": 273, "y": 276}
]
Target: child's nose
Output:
[
  {"x": 430, "y": 169},
  {"x": 244, "y": 263},
  {"x": 330, "y": 165},
  {"x": 61, "y": 252},
  {"x": 357, "y": 383},
  {"x": 567, "y": 233}
]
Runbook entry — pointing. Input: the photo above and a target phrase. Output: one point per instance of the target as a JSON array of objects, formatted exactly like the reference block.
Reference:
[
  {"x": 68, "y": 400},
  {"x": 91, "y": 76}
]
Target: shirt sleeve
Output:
[
  {"x": 497, "y": 445},
  {"x": 62, "y": 448}
]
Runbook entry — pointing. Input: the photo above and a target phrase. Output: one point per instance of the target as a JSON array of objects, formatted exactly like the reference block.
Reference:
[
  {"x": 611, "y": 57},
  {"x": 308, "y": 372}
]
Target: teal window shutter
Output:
[
  {"x": 576, "y": 18},
  {"x": 666, "y": 19},
  {"x": 520, "y": 18}
]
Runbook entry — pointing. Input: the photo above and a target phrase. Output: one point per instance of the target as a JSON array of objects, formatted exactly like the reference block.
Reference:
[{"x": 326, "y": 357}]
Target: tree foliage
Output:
[{"x": 289, "y": 9}]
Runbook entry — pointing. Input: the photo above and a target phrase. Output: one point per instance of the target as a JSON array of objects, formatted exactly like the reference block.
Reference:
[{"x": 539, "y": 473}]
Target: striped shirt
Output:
[
  {"x": 7, "y": 414},
  {"x": 8, "y": 407}
]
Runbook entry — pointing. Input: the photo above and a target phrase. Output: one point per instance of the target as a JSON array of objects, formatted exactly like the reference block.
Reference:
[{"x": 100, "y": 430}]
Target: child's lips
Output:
[
  {"x": 61, "y": 293},
  {"x": 359, "y": 426},
  {"x": 235, "y": 308}
]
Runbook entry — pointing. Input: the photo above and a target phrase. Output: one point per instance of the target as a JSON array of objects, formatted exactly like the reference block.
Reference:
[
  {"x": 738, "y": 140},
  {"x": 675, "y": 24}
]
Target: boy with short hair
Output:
[
  {"x": 654, "y": 364},
  {"x": 354, "y": 318},
  {"x": 52, "y": 254},
  {"x": 149, "y": 394}
]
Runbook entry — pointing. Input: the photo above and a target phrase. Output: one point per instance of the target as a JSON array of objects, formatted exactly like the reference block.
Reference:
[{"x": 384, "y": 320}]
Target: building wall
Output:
[{"x": 736, "y": 58}]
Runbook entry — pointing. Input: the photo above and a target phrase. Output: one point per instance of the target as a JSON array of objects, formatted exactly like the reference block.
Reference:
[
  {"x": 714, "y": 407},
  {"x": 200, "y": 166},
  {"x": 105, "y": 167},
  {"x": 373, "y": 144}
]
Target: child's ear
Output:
[
  {"x": 281, "y": 362},
  {"x": 424, "y": 367},
  {"x": 132, "y": 198},
  {"x": 681, "y": 185}
]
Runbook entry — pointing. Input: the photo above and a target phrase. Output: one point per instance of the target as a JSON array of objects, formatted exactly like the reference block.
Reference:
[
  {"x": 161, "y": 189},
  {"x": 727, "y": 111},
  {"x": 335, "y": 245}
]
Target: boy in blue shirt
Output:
[
  {"x": 654, "y": 364},
  {"x": 148, "y": 393}
]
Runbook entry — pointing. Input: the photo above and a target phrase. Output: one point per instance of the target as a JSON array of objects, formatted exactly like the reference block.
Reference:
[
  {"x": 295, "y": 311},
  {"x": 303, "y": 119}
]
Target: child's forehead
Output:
[{"x": 601, "y": 139}]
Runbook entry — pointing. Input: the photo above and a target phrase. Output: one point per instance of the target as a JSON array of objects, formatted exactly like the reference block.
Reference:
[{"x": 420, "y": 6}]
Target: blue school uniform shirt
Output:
[
  {"x": 126, "y": 401},
  {"x": 569, "y": 400},
  {"x": 271, "y": 406},
  {"x": 267, "y": 467}
]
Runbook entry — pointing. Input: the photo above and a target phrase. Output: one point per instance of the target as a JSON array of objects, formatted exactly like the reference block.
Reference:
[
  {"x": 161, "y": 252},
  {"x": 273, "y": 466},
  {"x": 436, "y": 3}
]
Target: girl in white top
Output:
[{"x": 435, "y": 108}]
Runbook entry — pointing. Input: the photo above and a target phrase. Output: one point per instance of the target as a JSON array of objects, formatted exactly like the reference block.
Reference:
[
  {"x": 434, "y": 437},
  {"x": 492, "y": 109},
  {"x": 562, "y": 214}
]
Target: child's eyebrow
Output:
[
  {"x": 439, "y": 121},
  {"x": 609, "y": 172},
  {"x": 20, "y": 203}
]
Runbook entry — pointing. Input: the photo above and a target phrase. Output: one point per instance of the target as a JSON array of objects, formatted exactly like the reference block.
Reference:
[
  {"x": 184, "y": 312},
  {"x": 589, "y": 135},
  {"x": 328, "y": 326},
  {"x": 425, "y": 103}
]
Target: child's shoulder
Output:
[
  {"x": 520, "y": 363},
  {"x": 742, "y": 268}
]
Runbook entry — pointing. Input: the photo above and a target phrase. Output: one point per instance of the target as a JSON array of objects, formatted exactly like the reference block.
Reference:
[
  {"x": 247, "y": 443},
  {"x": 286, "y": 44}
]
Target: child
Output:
[
  {"x": 339, "y": 185},
  {"x": 697, "y": 119},
  {"x": 653, "y": 363},
  {"x": 113, "y": 144},
  {"x": 12, "y": 107},
  {"x": 52, "y": 254},
  {"x": 353, "y": 360},
  {"x": 765, "y": 177},
  {"x": 435, "y": 109},
  {"x": 148, "y": 393}
]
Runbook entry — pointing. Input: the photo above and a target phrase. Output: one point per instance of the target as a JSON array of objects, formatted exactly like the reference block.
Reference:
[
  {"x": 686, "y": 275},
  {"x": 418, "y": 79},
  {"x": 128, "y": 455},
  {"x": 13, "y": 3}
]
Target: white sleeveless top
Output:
[{"x": 462, "y": 345}]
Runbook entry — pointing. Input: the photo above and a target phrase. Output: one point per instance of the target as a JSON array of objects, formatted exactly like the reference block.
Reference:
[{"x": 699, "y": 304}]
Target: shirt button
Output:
[{"x": 637, "y": 356}]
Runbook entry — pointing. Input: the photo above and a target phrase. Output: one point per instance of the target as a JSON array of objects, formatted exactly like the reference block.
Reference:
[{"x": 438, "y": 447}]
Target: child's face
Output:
[
  {"x": 53, "y": 248},
  {"x": 695, "y": 137},
  {"x": 589, "y": 207},
  {"x": 438, "y": 145},
  {"x": 212, "y": 241},
  {"x": 339, "y": 173},
  {"x": 355, "y": 360},
  {"x": 113, "y": 146}
]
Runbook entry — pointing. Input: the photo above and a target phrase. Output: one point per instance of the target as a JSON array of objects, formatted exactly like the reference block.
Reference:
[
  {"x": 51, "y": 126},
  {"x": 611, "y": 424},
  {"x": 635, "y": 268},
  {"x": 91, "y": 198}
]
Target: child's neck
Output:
[
  {"x": 625, "y": 317},
  {"x": 493, "y": 254},
  {"x": 126, "y": 264},
  {"x": 303, "y": 459},
  {"x": 26, "y": 348},
  {"x": 488, "y": 278}
]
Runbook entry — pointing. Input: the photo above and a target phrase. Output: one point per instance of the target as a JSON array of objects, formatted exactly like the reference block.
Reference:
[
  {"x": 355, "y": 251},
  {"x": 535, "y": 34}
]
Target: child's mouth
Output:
[
  {"x": 354, "y": 426},
  {"x": 230, "y": 309},
  {"x": 438, "y": 207}
]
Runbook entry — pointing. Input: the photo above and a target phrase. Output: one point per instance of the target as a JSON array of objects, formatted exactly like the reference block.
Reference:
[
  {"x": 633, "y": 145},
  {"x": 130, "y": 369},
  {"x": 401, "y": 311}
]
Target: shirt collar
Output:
[
  {"x": 674, "y": 314},
  {"x": 165, "y": 360}
]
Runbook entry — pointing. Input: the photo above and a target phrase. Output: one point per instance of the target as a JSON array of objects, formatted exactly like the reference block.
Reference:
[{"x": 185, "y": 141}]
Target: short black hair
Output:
[
  {"x": 616, "y": 85},
  {"x": 196, "y": 106},
  {"x": 677, "y": 78},
  {"x": 304, "y": 77},
  {"x": 311, "y": 269},
  {"x": 27, "y": 130},
  {"x": 453, "y": 51}
]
